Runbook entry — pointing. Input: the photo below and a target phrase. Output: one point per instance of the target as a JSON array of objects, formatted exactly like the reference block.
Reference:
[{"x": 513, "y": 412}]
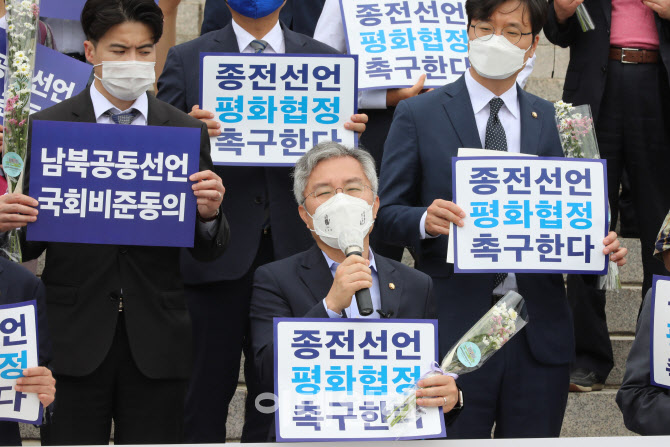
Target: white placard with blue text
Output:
[
  {"x": 273, "y": 108},
  {"x": 530, "y": 214},
  {"x": 18, "y": 351},
  {"x": 335, "y": 379},
  {"x": 398, "y": 41},
  {"x": 660, "y": 332}
]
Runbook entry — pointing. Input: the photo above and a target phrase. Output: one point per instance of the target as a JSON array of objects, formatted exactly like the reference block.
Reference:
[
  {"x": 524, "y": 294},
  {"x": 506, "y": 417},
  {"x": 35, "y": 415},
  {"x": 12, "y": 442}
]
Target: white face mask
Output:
[
  {"x": 342, "y": 213},
  {"x": 127, "y": 80},
  {"x": 496, "y": 58}
]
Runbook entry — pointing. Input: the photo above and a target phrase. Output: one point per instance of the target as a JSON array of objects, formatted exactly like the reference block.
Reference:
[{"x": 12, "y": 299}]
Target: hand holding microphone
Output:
[{"x": 351, "y": 276}]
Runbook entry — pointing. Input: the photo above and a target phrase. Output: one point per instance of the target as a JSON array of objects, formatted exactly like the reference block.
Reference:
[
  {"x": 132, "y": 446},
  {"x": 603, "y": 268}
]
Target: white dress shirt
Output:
[
  {"x": 101, "y": 105},
  {"x": 274, "y": 38},
  {"x": 352, "y": 310},
  {"x": 68, "y": 34}
]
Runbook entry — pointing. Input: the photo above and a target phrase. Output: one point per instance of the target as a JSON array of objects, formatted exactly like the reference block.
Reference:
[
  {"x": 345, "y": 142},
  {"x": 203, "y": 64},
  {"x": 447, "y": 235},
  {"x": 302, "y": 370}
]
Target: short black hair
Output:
[
  {"x": 98, "y": 16},
  {"x": 484, "y": 9}
]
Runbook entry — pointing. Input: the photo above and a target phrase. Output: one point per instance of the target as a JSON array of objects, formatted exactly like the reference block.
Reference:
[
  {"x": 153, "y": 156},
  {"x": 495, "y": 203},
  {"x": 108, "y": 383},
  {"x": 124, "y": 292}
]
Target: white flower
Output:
[
  {"x": 10, "y": 28},
  {"x": 486, "y": 341},
  {"x": 25, "y": 4},
  {"x": 513, "y": 315}
]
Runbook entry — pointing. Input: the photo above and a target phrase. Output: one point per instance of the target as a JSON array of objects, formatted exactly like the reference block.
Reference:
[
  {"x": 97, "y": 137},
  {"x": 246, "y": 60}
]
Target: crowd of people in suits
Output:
[{"x": 151, "y": 338}]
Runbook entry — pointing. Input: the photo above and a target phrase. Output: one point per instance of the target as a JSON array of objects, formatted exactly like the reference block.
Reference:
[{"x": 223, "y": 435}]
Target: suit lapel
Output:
[
  {"x": 315, "y": 274},
  {"x": 226, "y": 40},
  {"x": 390, "y": 292},
  {"x": 607, "y": 10},
  {"x": 82, "y": 107},
  {"x": 531, "y": 123},
  {"x": 157, "y": 114},
  {"x": 293, "y": 42},
  {"x": 459, "y": 109}
]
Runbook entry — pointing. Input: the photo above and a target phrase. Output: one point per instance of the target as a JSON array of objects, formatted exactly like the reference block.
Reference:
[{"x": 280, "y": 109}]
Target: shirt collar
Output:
[
  {"x": 274, "y": 38},
  {"x": 480, "y": 96},
  {"x": 102, "y": 104},
  {"x": 3, "y": 22},
  {"x": 371, "y": 255}
]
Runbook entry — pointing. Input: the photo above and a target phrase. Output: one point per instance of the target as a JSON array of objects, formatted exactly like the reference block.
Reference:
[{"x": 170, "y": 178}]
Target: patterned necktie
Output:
[
  {"x": 497, "y": 141},
  {"x": 258, "y": 45},
  {"x": 123, "y": 117}
]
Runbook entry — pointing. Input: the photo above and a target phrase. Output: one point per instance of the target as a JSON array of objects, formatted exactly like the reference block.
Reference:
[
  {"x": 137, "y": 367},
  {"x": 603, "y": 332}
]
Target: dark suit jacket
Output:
[
  {"x": 427, "y": 131},
  {"x": 295, "y": 288},
  {"x": 301, "y": 16},
  {"x": 16, "y": 285},
  {"x": 589, "y": 52},
  {"x": 645, "y": 407},
  {"x": 83, "y": 281},
  {"x": 248, "y": 189}
]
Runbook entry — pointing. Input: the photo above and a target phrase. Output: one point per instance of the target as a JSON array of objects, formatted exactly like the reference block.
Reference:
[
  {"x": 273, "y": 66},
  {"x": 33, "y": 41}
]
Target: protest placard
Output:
[
  {"x": 530, "y": 214},
  {"x": 63, "y": 9},
  {"x": 113, "y": 184},
  {"x": 398, "y": 41},
  {"x": 336, "y": 380},
  {"x": 18, "y": 332},
  {"x": 57, "y": 77},
  {"x": 660, "y": 332},
  {"x": 273, "y": 108}
]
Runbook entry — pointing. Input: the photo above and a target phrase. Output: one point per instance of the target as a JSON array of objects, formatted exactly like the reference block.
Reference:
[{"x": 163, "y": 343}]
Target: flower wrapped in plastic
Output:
[
  {"x": 502, "y": 322},
  {"x": 22, "y": 25},
  {"x": 584, "y": 18},
  {"x": 578, "y": 140}
]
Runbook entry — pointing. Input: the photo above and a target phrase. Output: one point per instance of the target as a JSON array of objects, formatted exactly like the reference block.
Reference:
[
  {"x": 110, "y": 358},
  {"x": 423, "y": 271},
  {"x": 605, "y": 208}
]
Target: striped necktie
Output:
[{"x": 258, "y": 45}]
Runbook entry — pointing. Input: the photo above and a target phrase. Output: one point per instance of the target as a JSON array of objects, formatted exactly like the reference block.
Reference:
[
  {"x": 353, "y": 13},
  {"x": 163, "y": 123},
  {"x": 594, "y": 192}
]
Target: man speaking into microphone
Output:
[{"x": 336, "y": 191}]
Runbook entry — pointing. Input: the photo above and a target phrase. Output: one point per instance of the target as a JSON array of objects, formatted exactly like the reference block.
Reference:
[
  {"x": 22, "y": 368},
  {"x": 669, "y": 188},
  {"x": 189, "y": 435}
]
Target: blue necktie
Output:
[{"x": 123, "y": 117}]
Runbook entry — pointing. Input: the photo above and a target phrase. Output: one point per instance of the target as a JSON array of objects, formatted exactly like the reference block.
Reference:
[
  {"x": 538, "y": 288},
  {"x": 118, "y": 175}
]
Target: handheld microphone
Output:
[{"x": 351, "y": 243}]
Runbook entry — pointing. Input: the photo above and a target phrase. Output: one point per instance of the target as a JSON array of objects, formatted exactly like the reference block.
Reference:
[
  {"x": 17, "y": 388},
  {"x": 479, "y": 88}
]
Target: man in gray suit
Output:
[{"x": 645, "y": 407}]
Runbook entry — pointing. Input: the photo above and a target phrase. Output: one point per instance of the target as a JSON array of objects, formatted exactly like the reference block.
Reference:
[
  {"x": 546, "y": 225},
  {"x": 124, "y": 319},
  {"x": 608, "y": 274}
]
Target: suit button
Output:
[
  {"x": 258, "y": 200},
  {"x": 604, "y": 68},
  {"x": 123, "y": 250},
  {"x": 114, "y": 296}
]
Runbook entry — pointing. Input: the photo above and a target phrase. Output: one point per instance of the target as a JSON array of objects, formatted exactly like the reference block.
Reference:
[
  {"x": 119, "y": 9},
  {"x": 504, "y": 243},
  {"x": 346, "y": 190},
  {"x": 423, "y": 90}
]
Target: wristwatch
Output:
[
  {"x": 453, "y": 414},
  {"x": 203, "y": 220}
]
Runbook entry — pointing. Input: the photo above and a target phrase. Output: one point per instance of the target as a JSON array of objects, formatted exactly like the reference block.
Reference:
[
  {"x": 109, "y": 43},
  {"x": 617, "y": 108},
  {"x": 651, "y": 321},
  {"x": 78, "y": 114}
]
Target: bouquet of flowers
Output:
[
  {"x": 502, "y": 322},
  {"x": 578, "y": 139},
  {"x": 575, "y": 127},
  {"x": 22, "y": 26}
]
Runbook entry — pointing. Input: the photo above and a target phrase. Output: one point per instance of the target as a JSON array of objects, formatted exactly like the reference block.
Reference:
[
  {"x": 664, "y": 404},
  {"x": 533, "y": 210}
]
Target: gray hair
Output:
[{"x": 325, "y": 151}]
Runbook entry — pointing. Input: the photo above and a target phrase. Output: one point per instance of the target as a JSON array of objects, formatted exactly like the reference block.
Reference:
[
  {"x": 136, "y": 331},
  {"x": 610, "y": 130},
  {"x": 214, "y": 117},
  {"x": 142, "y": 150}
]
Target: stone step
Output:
[
  {"x": 621, "y": 345},
  {"x": 622, "y": 308},
  {"x": 593, "y": 414},
  {"x": 631, "y": 273}
]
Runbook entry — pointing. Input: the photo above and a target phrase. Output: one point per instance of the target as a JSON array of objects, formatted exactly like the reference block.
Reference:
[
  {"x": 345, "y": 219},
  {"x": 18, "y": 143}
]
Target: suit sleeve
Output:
[
  {"x": 399, "y": 183},
  {"x": 431, "y": 303},
  {"x": 29, "y": 250},
  {"x": 205, "y": 249},
  {"x": 267, "y": 302},
  {"x": 561, "y": 35},
  {"x": 44, "y": 341},
  {"x": 645, "y": 407},
  {"x": 172, "y": 82}
]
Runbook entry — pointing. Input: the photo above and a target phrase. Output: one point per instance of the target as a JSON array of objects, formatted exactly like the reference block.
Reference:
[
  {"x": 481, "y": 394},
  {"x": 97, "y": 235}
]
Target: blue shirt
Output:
[{"x": 352, "y": 311}]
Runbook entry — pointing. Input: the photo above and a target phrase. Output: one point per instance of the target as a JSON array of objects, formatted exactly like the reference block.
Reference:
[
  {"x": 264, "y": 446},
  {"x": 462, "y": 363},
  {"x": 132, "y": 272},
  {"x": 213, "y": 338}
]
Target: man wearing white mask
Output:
[
  {"x": 117, "y": 315},
  {"x": 523, "y": 390},
  {"x": 336, "y": 191}
]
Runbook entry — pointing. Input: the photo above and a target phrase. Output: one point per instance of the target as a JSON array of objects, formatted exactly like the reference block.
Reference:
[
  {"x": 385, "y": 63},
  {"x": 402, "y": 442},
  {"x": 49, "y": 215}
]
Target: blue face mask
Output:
[{"x": 255, "y": 9}]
